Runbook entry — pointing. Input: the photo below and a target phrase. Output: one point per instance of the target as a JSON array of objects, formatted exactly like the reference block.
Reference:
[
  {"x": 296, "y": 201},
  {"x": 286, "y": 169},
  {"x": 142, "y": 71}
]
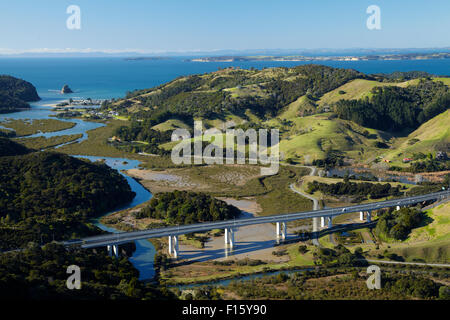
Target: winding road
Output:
[{"x": 315, "y": 203}]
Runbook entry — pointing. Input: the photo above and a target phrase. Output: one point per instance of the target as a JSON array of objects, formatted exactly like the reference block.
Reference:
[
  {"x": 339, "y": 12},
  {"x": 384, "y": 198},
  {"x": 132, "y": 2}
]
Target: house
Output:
[{"x": 406, "y": 160}]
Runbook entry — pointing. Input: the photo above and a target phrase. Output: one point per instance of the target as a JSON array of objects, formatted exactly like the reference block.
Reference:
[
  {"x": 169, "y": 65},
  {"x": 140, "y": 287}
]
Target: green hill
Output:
[
  {"x": 357, "y": 89},
  {"x": 318, "y": 109},
  {"x": 170, "y": 124},
  {"x": 428, "y": 242},
  {"x": 303, "y": 106},
  {"x": 430, "y": 137},
  {"x": 397, "y": 109},
  {"x": 309, "y": 138},
  {"x": 11, "y": 148},
  {"x": 46, "y": 194},
  {"x": 15, "y": 93},
  {"x": 232, "y": 91}
]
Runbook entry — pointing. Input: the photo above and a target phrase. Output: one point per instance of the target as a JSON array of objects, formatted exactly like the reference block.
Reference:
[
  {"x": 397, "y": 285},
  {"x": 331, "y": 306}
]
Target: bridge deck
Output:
[{"x": 125, "y": 237}]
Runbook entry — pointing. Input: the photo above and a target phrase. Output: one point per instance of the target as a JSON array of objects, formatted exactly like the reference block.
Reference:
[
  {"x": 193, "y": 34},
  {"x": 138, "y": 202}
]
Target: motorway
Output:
[{"x": 126, "y": 237}]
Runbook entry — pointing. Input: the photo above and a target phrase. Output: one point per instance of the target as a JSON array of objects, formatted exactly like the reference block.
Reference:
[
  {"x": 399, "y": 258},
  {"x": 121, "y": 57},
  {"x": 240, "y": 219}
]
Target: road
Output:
[
  {"x": 314, "y": 200},
  {"x": 315, "y": 204},
  {"x": 411, "y": 263},
  {"x": 125, "y": 237}
]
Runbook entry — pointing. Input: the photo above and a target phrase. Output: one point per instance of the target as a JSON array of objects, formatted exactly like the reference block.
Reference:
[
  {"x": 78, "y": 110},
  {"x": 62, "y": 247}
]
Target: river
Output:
[{"x": 143, "y": 257}]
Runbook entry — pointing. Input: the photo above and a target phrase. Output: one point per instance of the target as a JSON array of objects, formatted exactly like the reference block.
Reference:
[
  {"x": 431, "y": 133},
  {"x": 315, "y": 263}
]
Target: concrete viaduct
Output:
[{"x": 112, "y": 241}]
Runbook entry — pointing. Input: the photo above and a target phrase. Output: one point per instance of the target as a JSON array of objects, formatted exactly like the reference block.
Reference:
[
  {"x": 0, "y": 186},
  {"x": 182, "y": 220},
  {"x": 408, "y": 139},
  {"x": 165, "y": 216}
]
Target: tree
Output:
[
  {"x": 399, "y": 232},
  {"x": 359, "y": 251},
  {"x": 444, "y": 293},
  {"x": 302, "y": 249}
]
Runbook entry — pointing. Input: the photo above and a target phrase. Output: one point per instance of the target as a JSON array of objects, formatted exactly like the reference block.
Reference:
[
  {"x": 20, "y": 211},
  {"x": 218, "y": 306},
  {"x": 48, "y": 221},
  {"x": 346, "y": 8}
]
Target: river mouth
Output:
[{"x": 43, "y": 110}]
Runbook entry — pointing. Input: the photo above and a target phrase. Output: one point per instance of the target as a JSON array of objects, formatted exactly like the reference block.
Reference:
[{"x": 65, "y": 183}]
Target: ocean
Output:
[{"x": 105, "y": 78}]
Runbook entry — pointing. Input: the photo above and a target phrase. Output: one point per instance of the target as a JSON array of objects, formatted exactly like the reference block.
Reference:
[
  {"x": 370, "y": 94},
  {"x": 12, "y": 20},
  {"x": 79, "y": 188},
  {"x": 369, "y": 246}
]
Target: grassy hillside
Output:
[
  {"x": 432, "y": 136},
  {"x": 170, "y": 124},
  {"x": 357, "y": 89},
  {"x": 444, "y": 80},
  {"x": 430, "y": 242},
  {"x": 232, "y": 91},
  {"x": 439, "y": 227},
  {"x": 309, "y": 138},
  {"x": 300, "y": 107},
  {"x": 299, "y": 101}
]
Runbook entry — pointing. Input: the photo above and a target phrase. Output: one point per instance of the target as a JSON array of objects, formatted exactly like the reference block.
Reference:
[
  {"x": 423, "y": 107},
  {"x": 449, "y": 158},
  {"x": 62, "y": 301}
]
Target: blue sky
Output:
[{"x": 173, "y": 25}]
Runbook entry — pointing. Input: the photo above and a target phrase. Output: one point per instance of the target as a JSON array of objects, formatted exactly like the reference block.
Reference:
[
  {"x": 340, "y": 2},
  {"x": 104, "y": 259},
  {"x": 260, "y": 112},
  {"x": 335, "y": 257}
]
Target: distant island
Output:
[
  {"x": 66, "y": 89},
  {"x": 406, "y": 56},
  {"x": 15, "y": 94},
  {"x": 147, "y": 58}
]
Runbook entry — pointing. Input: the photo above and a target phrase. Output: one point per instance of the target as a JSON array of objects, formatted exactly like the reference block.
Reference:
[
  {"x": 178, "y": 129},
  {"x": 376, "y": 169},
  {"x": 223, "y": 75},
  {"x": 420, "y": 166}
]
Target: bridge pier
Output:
[
  {"x": 229, "y": 237},
  {"x": 113, "y": 249},
  {"x": 322, "y": 222},
  {"x": 173, "y": 246},
  {"x": 281, "y": 230},
  {"x": 170, "y": 245},
  {"x": 367, "y": 213}
]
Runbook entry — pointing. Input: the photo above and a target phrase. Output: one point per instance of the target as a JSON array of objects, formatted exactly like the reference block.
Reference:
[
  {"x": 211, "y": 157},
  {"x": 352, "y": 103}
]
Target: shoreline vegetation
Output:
[
  {"x": 28, "y": 127},
  {"x": 231, "y": 181},
  {"x": 40, "y": 143}
]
